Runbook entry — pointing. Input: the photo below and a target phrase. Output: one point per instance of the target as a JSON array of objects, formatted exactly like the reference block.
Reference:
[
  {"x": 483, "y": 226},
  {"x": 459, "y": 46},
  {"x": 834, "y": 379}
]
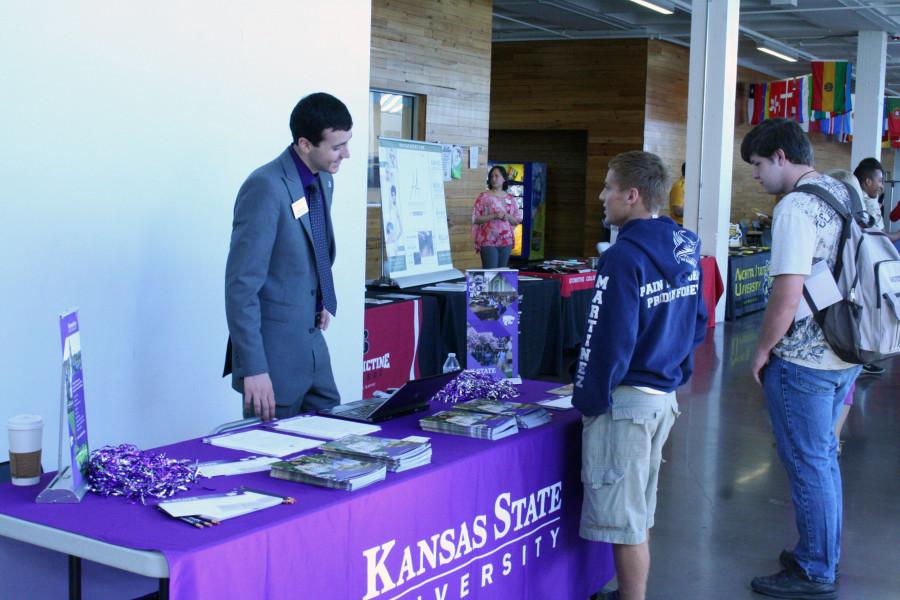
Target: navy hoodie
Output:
[{"x": 646, "y": 317}]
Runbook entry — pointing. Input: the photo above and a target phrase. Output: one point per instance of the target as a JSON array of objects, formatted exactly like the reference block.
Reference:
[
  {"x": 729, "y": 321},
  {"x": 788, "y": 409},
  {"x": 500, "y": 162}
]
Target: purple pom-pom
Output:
[
  {"x": 472, "y": 385},
  {"x": 126, "y": 471}
]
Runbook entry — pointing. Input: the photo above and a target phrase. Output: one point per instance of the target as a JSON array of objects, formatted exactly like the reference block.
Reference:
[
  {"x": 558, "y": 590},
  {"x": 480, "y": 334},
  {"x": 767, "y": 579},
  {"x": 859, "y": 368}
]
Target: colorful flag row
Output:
[{"x": 788, "y": 99}]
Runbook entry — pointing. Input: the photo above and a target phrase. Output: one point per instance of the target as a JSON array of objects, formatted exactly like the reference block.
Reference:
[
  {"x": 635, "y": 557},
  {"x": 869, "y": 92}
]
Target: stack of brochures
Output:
[
  {"x": 471, "y": 424},
  {"x": 528, "y": 416},
  {"x": 396, "y": 455},
  {"x": 330, "y": 470}
]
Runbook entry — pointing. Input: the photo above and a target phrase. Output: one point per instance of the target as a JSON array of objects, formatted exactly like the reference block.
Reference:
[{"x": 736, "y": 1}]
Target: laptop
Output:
[{"x": 412, "y": 397}]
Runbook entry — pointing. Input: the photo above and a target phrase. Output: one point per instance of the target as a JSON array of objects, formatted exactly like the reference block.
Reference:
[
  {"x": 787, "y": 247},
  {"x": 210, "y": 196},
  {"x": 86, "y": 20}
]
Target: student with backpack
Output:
[{"x": 804, "y": 381}]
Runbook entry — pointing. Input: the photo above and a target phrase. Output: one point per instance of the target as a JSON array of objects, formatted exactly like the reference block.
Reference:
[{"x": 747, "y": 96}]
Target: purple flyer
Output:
[
  {"x": 73, "y": 378},
  {"x": 492, "y": 315}
]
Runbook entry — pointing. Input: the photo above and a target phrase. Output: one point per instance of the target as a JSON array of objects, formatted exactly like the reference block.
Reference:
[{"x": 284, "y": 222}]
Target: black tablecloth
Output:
[
  {"x": 574, "y": 317},
  {"x": 540, "y": 326}
]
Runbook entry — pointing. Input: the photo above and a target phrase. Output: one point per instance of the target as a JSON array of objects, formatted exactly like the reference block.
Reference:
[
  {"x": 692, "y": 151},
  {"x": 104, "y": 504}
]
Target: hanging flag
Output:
[
  {"x": 805, "y": 103},
  {"x": 757, "y": 115},
  {"x": 777, "y": 105},
  {"x": 762, "y": 93},
  {"x": 751, "y": 96},
  {"x": 831, "y": 86},
  {"x": 893, "y": 113},
  {"x": 792, "y": 99}
]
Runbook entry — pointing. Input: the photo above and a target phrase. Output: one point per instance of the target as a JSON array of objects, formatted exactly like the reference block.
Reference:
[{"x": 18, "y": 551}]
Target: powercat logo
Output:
[{"x": 475, "y": 553}]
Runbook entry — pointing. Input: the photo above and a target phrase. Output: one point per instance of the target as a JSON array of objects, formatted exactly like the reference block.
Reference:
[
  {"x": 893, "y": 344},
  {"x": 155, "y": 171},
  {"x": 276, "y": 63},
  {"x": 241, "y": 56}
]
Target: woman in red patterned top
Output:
[{"x": 494, "y": 219}]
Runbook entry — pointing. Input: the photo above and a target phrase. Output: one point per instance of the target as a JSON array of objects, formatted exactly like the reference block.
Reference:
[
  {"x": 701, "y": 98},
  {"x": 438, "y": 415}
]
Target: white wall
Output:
[{"x": 125, "y": 132}]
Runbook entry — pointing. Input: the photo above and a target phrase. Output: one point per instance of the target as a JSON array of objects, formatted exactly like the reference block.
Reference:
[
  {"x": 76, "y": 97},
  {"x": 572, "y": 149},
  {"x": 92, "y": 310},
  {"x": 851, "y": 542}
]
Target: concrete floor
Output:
[{"x": 724, "y": 509}]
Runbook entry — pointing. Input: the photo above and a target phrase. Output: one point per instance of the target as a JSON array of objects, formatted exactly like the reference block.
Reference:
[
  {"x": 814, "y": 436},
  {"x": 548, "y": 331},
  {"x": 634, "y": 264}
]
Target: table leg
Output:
[{"x": 74, "y": 578}]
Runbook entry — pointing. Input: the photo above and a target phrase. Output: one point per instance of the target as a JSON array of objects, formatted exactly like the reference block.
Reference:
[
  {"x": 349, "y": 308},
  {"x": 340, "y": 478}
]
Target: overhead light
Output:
[
  {"x": 657, "y": 6},
  {"x": 776, "y": 53}
]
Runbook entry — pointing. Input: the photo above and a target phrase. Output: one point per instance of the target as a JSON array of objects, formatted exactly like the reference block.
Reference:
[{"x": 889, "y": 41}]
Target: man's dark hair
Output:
[
  {"x": 778, "y": 134},
  {"x": 316, "y": 113},
  {"x": 866, "y": 169},
  {"x": 503, "y": 174}
]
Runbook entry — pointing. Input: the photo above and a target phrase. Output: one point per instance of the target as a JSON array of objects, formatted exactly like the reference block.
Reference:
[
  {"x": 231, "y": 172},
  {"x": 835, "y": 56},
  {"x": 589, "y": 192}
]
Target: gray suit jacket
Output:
[{"x": 271, "y": 284}]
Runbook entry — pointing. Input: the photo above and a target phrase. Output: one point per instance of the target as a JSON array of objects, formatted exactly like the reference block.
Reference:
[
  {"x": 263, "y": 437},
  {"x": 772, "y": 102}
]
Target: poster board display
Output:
[
  {"x": 492, "y": 322},
  {"x": 70, "y": 483},
  {"x": 414, "y": 213}
]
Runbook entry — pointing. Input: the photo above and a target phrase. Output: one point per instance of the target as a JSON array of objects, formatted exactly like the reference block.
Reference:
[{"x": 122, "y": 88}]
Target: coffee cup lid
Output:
[{"x": 23, "y": 422}]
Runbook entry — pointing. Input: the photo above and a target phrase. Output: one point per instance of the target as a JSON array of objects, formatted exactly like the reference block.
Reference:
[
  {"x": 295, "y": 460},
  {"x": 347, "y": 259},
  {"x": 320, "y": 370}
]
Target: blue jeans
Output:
[
  {"x": 804, "y": 405},
  {"x": 494, "y": 257}
]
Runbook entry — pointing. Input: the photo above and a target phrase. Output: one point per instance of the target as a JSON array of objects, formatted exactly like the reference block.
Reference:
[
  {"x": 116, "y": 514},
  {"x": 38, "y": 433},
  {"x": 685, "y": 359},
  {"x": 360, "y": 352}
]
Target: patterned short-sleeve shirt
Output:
[{"x": 805, "y": 230}]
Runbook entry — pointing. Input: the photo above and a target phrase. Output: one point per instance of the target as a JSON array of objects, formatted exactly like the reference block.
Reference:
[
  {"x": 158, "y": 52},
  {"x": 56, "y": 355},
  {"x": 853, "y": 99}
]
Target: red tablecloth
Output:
[
  {"x": 713, "y": 288},
  {"x": 568, "y": 282}
]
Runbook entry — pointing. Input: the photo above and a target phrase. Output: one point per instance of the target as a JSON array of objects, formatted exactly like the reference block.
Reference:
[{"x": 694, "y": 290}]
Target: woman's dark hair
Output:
[
  {"x": 778, "y": 134},
  {"x": 316, "y": 113},
  {"x": 503, "y": 174}
]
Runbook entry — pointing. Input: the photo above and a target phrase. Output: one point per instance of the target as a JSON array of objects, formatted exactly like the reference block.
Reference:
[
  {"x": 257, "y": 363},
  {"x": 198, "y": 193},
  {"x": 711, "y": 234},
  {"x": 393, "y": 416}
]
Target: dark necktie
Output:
[{"x": 320, "y": 247}]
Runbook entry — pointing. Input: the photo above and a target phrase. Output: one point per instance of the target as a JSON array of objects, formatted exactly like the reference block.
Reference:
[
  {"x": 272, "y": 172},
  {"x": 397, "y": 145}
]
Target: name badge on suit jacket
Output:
[{"x": 300, "y": 207}]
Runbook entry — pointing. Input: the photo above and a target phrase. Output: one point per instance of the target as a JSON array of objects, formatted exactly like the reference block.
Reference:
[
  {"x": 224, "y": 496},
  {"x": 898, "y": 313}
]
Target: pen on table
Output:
[
  {"x": 209, "y": 520},
  {"x": 191, "y": 521}
]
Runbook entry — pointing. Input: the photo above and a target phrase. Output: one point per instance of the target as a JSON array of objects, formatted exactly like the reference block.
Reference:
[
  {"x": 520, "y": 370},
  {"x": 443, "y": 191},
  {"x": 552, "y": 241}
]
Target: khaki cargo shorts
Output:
[{"x": 620, "y": 457}]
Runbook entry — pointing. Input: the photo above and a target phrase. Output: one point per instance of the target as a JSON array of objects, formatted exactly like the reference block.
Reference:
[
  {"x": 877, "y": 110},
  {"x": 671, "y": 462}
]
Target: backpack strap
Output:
[{"x": 843, "y": 213}]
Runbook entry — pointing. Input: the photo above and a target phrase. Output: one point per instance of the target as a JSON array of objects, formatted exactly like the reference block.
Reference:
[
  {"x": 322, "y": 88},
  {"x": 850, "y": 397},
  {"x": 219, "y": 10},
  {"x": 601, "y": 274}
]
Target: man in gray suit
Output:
[{"x": 279, "y": 290}]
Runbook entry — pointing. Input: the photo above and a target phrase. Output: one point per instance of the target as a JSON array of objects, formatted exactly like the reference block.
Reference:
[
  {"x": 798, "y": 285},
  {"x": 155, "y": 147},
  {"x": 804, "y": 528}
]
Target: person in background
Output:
[
  {"x": 803, "y": 380},
  {"x": 494, "y": 219},
  {"x": 870, "y": 175},
  {"x": 279, "y": 289},
  {"x": 676, "y": 199},
  {"x": 646, "y": 317}
]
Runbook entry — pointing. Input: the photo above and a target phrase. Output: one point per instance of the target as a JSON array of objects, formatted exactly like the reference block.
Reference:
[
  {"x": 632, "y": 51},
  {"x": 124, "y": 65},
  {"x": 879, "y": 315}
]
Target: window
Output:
[{"x": 394, "y": 115}]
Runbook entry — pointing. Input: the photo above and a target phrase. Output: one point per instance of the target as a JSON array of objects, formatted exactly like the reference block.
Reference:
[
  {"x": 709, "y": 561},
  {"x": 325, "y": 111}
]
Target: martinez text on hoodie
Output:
[{"x": 646, "y": 316}]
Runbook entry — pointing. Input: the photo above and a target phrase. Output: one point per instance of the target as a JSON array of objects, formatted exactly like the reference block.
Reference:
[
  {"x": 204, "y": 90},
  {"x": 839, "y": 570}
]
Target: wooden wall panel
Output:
[
  {"x": 565, "y": 152},
  {"x": 665, "y": 126},
  {"x": 595, "y": 85},
  {"x": 441, "y": 50}
]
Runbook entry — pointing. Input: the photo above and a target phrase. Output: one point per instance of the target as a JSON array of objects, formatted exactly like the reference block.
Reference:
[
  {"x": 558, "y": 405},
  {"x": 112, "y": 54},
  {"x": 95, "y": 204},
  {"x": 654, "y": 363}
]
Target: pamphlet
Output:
[
  {"x": 821, "y": 287},
  {"x": 261, "y": 441},
  {"x": 220, "y": 506},
  {"x": 251, "y": 464},
  {"x": 324, "y": 427},
  {"x": 561, "y": 403}
]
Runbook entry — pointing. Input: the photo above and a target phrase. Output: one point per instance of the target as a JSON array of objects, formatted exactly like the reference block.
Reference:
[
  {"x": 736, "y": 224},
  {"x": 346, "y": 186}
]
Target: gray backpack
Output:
[{"x": 864, "y": 327}]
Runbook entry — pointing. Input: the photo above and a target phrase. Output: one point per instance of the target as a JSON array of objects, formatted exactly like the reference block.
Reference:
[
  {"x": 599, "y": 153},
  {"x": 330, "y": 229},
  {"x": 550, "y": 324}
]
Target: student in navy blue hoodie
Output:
[{"x": 646, "y": 317}]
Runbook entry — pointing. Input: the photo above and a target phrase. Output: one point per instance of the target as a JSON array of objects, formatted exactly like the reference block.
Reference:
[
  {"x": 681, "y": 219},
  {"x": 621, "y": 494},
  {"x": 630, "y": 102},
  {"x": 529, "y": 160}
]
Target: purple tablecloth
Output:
[{"x": 484, "y": 520}]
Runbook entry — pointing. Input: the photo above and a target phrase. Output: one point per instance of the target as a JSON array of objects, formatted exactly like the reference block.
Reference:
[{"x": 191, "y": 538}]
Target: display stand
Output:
[
  {"x": 384, "y": 281},
  {"x": 70, "y": 483},
  {"x": 415, "y": 236}
]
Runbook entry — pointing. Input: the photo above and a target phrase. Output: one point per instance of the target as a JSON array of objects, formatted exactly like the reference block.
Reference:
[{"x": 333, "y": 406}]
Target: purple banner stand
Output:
[
  {"x": 492, "y": 321},
  {"x": 484, "y": 520}
]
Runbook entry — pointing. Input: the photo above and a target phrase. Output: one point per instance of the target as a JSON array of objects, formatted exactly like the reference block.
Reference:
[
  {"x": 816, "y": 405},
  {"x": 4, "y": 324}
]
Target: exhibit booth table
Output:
[
  {"x": 568, "y": 282},
  {"x": 540, "y": 328},
  {"x": 748, "y": 282},
  {"x": 484, "y": 520},
  {"x": 712, "y": 287}
]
